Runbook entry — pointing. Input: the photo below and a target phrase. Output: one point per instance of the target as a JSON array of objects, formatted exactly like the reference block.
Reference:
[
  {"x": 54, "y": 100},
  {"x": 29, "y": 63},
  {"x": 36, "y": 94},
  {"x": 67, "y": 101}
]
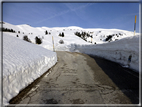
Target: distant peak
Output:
[
  {"x": 75, "y": 27},
  {"x": 24, "y": 25}
]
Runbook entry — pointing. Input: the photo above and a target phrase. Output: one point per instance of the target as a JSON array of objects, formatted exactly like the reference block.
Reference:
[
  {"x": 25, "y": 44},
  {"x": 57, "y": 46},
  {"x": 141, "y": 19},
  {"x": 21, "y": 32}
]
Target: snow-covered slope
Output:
[
  {"x": 99, "y": 36},
  {"x": 23, "y": 62},
  {"x": 117, "y": 51},
  {"x": 79, "y": 36}
]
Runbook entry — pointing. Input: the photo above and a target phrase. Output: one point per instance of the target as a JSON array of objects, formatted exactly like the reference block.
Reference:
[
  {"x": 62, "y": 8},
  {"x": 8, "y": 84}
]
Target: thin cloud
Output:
[{"x": 64, "y": 12}]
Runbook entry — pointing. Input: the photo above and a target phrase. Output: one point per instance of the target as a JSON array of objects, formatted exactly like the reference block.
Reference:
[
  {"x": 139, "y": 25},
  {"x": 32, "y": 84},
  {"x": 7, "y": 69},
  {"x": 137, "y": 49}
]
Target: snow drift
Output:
[
  {"x": 23, "y": 62},
  {"x": 118, "y": 51}
]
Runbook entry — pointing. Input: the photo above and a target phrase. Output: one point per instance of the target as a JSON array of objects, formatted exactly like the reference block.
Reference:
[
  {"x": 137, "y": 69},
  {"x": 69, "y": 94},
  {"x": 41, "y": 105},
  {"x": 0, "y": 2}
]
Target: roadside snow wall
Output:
[
  {"x": 117, "y": 51},
  {"x": 23, "y": 62}
]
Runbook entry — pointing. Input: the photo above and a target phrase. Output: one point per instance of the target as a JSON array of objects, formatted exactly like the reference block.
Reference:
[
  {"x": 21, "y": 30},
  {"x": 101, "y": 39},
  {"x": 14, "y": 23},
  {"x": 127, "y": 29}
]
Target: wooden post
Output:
[
  {"x": 135, "y": 25},
  {"x": 53, "y": 44}
]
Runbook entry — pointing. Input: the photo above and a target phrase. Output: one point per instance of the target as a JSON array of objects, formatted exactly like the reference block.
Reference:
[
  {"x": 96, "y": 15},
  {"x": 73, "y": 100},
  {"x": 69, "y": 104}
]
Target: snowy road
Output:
[{"x": 79, "y": 79}]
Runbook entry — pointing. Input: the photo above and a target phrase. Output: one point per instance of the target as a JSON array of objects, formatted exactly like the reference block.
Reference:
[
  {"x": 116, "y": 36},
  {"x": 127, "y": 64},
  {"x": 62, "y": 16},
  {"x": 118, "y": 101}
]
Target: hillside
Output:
[
  {"x": 72, "y": 35},
  {"x": 113, "y": 44}
]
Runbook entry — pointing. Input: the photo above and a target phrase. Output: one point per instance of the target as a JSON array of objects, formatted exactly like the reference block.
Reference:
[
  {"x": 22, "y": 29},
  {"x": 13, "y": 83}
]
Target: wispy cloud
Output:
[{"x": 64, "y": 12}]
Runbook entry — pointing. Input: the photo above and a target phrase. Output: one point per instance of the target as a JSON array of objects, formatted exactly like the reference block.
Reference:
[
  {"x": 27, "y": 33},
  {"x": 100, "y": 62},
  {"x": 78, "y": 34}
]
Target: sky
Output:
[{"x": 85, "y": 15}]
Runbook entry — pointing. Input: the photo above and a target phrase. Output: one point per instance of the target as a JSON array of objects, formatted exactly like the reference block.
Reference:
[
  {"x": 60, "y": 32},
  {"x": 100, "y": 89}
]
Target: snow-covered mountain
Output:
[
  {"x": 72, "y": 34},
  {"x": 23, "y": 62}
]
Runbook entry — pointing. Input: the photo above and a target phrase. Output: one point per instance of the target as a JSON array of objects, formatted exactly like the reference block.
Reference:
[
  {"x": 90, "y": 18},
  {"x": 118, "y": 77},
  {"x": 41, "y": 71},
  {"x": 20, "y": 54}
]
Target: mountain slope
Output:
[
  {"x": 95, "y": 36},
  {"x": 106, "y": 43}
]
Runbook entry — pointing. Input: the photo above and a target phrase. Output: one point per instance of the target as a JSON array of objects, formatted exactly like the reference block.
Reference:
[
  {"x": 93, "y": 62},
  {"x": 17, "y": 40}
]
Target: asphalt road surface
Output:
[{"x": 80, "y": 79}]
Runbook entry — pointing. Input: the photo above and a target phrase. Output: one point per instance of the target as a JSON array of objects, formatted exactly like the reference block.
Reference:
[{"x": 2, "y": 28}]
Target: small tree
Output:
[
  {"x": 26, "y": 38},
  {"x": 46, "y": 33},
  {"x": 11, "y": 30},
  {"x": 108, "y": 38},
  {"x": 62, "y": 34},
  {"x": 38, "y": 40}
]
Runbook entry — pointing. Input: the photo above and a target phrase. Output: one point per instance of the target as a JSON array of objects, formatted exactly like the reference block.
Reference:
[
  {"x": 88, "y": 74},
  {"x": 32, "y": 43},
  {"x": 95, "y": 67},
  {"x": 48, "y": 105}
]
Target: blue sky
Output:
[{"x": 85, "y": 15}]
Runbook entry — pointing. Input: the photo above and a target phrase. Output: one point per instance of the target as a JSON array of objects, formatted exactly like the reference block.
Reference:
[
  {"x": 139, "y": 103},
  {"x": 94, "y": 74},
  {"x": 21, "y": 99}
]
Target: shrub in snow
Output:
[
  {"x": 7, "y": 30},
  {"x": 18, "y": 31},
  {"x": 82, "y": 35},
  {"x": 108, "y": 38},
  {"x": 61, "y": 41},
  {"x": 46, "y": 33},
  {"x": 61, "y": 35},
  {"x": 26, "y": 38},
  {"x": 77, "y": 34},
  {"x": 17, "y": 36},
  {"x": 88, "y": 35},
  {"x": 38, "y": 40}
]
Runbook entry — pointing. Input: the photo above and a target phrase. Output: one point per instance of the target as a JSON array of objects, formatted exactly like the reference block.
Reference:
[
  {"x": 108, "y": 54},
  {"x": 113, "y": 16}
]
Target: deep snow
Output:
[
  {"x": 23, "y": 62},
  {"x": 117, "y": 51},
  {"x": 21, "y": 56}
]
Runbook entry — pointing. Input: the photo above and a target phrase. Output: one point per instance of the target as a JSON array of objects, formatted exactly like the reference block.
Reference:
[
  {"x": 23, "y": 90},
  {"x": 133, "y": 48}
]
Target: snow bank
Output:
[
  {"x": 117, "y": 51},
  {"x": 23, "y": 62}
]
